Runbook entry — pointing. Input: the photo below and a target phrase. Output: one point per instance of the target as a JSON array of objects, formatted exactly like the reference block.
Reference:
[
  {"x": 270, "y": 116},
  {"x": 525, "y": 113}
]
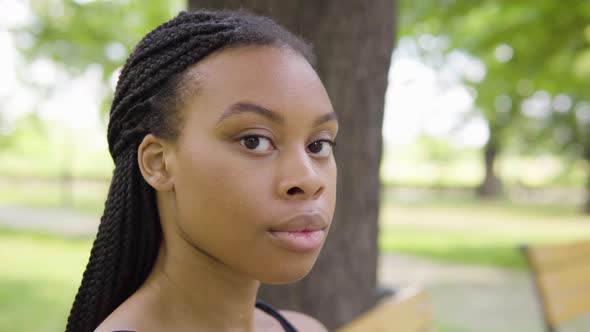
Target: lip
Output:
[
  {"x": 301, "y": 233},
  {"x": 305, "y": 222}
]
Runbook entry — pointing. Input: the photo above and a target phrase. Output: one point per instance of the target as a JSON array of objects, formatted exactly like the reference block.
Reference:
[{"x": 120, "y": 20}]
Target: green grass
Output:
[
  {"x": 471, "y": 232},
  {"x": 38, "y": 279},
  {"x": 453, "y": 247}
]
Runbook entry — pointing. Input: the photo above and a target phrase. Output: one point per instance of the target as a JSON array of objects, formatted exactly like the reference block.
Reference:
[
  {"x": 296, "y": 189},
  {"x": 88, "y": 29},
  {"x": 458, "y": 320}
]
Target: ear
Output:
[{"x": 151, "y": 157}]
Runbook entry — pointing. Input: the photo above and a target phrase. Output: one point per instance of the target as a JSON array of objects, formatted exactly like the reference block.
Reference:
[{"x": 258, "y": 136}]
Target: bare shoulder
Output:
[
  {"x": 118, "y": 322},
  {"x": 128, "y": 323},
  {"x": 303, "y": 322},
  {"x": 130, "y": 316}
]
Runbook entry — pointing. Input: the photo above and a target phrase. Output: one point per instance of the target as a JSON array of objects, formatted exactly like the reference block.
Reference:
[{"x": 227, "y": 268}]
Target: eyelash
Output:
[
  {"x": 325, "y": 140},
  {"x": 332, "y": 143}
]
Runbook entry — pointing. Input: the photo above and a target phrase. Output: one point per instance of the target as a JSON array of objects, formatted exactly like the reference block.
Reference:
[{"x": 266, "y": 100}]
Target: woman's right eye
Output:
[{"x": 255, "y": 143}]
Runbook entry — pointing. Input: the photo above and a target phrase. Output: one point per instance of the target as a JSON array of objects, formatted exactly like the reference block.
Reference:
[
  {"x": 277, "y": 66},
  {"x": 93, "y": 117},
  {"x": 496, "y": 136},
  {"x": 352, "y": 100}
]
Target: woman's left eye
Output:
[{"x": 321, "y": 148}]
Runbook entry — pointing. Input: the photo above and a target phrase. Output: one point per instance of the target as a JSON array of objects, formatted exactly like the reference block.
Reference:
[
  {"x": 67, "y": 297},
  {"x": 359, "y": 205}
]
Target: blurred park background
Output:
[{"x": 486, "y": 147}]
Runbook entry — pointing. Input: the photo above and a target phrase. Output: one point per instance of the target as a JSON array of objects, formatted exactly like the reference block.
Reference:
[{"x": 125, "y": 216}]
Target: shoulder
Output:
[
  {"x": 131, "y": 316},
  {"x": 303, "y": 322},
  {"x": 117, "y": 324}
]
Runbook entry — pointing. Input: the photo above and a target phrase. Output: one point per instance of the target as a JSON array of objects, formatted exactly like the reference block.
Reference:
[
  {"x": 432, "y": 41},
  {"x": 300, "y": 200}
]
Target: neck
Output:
[{"x": 193, "y": 289}]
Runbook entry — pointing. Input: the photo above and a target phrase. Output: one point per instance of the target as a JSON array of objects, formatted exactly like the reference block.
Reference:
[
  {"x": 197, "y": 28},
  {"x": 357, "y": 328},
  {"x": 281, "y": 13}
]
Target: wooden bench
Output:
[
  {"x": 408, "y": 310},
  {"x": 561, "y": 275}
]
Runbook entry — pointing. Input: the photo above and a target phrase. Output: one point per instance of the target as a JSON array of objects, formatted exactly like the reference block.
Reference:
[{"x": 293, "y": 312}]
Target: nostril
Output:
[{"x": 294, "y": 190}]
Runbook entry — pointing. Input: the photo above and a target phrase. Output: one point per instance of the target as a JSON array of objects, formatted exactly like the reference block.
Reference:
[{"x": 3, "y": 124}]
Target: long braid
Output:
[{"x": 146, "y": 101}]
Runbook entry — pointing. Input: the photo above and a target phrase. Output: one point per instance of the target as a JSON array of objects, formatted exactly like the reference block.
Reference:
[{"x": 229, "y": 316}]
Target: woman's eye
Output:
[
  {"x": 321, "y": 148},
  {"x": 255, "y": 143}
]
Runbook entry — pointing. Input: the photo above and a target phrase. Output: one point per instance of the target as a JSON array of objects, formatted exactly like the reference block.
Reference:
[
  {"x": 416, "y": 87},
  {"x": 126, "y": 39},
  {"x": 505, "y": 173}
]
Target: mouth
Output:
[
  {"x": 301, "y": 233},
  {"x": 304, "y": 241},
  {"x": 303, "y": 223}
]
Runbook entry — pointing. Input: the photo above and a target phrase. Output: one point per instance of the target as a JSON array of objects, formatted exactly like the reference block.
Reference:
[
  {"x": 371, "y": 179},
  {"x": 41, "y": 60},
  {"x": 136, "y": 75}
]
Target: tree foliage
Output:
[
  {"x": 537, "y": 58},
  {"x": 526, "y": 47},
  {"x": 78, "y": 34}
]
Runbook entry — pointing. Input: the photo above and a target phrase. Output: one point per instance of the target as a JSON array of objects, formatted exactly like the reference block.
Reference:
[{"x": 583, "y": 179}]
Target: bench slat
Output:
[
  {"x": 568, "y": 277},
  {"x": 406, "y": 311},
  {"x": 568, "y": 280},
  {"x": 549, "y": 257},
  {"x": 565, "y": 308},
  {"x": 562, "y": 278}
]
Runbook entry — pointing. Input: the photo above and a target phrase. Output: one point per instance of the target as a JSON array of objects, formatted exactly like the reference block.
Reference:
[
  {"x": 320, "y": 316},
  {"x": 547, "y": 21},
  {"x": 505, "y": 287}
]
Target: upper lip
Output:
[{"x": 301, "y": 223}]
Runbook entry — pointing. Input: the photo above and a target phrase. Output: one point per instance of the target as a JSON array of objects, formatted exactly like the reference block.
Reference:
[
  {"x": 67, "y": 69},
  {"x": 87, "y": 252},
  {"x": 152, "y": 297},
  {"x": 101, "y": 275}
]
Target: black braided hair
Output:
[{"x": 147, "y": 98}]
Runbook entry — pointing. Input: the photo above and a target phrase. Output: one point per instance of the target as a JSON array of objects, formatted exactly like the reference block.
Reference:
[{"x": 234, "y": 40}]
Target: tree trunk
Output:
[
  {"x": 353, "y": 41},
  {"x": 491, "y": 186}
]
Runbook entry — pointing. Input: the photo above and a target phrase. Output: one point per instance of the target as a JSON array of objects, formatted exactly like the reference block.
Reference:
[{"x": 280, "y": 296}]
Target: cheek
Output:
[
  {"x": 331, "y": 176},
  {"x": 218, "y": 192}
]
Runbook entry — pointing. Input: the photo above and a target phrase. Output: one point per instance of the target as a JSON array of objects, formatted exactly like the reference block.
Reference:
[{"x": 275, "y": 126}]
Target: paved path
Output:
[
  {"x": 64, "y": 222},
  {"x": 473, "y": 298}
]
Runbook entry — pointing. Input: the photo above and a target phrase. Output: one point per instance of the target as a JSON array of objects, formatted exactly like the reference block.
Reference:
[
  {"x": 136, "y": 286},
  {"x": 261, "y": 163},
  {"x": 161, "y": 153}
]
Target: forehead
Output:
[{"x": 278, "y": 78}]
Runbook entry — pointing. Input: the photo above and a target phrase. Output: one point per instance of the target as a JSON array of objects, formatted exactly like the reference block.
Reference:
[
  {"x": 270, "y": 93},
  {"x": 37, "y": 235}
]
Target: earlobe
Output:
[{"x": 152, "y": 163}]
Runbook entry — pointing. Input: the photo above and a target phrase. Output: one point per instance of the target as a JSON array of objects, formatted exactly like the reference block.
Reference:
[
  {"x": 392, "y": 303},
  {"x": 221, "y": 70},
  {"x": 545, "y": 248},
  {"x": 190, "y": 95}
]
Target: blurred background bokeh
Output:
[{"x": 486, "y": 147}]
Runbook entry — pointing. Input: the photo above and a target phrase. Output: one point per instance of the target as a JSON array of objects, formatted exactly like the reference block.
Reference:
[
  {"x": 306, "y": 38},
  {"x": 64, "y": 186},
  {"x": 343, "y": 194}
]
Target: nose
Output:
[{"x": 299, "y": 178}]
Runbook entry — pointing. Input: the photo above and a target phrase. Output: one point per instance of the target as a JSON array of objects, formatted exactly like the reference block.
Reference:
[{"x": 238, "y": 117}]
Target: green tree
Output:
[
  {"x": 78, "y": 34},
  {"x": 526, "y": 47}
]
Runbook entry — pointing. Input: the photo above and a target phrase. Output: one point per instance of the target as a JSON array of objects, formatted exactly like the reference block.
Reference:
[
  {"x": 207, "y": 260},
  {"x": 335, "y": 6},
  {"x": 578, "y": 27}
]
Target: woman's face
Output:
[{"x": 253, "y": 170}]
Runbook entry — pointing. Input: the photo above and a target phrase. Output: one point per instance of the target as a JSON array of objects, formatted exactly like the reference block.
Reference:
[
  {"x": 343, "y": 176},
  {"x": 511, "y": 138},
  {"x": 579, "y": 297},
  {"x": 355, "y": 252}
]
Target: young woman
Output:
[{"x": 222, "y": 136}]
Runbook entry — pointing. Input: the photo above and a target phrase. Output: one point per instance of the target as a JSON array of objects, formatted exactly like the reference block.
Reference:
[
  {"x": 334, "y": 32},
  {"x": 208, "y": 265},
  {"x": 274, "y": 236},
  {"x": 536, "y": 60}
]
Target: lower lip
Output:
[{"x": 299, "y": 241}]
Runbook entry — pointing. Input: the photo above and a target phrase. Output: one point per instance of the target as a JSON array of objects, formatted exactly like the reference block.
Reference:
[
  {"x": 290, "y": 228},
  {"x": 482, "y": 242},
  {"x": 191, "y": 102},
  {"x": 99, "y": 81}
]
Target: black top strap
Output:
[
  {"x": 275, "y": 313},
  {"x": 266, "y": 308}
]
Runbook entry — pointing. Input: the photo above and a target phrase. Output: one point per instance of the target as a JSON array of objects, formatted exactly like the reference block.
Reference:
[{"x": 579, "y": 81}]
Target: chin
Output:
[{"x": 288, "y": 271}]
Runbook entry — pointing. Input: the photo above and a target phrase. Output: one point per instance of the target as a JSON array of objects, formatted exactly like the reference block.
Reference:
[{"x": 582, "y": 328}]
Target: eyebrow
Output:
[{"x": 246, "y": 107}]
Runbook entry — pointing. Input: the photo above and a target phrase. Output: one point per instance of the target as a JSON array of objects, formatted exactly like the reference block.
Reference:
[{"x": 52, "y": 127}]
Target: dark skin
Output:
[{"x": 253, "y": 151}]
